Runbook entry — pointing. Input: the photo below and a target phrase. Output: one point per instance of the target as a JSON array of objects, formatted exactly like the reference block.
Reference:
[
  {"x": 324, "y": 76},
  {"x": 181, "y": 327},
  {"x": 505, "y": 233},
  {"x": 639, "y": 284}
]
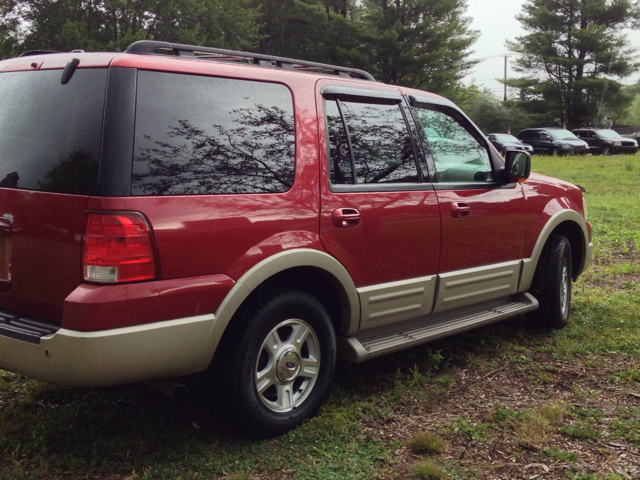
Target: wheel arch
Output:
[
  {"x": 570, "y": 224},
  {"x": 312, "y": 271}
]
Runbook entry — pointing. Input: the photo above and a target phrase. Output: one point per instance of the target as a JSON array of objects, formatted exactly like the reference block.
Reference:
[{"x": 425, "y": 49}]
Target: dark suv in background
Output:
[
  {"x": 553, "y": 141},
  {"x": 606, "y": 142},
  {"x": 505, "y": 142}
]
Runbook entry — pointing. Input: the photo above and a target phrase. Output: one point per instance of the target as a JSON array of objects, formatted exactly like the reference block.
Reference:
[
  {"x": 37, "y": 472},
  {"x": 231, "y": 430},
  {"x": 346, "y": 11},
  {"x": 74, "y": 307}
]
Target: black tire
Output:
[
  {"x": 552, "y": 284},
  {"x": 296, "y": 371},
  {"x": 606, "y": 150},
  {"x": 556, "y": 152}
]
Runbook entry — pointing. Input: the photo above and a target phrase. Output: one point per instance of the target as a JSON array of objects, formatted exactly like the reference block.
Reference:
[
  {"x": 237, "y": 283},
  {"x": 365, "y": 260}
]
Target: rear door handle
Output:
[
  {"x": 346, "y": 217},
  {"x": 460, "y": 210}
]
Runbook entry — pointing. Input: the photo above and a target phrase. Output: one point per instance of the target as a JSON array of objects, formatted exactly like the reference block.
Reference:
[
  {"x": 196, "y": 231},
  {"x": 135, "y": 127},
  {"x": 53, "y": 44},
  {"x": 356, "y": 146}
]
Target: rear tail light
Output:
[{"x": 117, "y": 248}]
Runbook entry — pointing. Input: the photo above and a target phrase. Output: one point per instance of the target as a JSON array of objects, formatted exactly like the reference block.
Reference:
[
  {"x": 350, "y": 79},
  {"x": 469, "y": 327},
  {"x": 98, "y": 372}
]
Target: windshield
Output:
[
  {"x": 500, "y": 137},
  {"x": 608, "y": 134},
  {"x": 50, "y": 133},
  {"x": 562, "y": 135}
]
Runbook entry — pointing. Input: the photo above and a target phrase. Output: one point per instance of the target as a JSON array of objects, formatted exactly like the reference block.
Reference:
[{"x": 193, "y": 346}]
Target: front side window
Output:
[
  {"x": 458, "y": 156},
  {"x": 374, "y": 148},
  {"x": 50, "y": 133},
  {"x": 207, "y": 135}
]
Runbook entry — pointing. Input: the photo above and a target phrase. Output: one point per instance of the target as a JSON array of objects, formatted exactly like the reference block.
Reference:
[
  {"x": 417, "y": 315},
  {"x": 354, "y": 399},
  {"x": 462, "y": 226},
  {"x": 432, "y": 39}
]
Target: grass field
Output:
[{"x": 503, "y": 402}]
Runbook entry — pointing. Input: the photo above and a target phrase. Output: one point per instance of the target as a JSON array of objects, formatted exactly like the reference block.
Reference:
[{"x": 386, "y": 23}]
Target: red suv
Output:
[{"x": 175, "y": 209}]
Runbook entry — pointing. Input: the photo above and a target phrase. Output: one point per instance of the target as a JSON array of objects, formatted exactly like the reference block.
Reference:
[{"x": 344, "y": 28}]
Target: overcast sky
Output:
[{"x": 496, "y": 22}]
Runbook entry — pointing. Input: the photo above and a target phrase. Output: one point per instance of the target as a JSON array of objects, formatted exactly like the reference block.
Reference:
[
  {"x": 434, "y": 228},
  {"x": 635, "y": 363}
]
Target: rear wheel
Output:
[
  {"x": 282, "y": 364},
  {"x": 552, "y": 284}
]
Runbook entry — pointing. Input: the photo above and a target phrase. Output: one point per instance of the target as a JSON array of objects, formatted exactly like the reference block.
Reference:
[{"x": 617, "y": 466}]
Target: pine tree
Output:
[
  {"x": 420, "y": 43},
  {"x": 573, "y": 54}
]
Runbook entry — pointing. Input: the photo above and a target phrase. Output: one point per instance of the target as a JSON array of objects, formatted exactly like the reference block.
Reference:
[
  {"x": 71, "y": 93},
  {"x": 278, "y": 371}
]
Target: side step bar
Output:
[{"x": 377, "y": 342}]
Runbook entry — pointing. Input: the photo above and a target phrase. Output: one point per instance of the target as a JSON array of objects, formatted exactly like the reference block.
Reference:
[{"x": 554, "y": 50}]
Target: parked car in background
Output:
[
  {"x": 505, "y": 142},
  {"x": 302, "y": 213},
  {"x": 606, "y": 142},
  {"x": 553, "y": 141}
]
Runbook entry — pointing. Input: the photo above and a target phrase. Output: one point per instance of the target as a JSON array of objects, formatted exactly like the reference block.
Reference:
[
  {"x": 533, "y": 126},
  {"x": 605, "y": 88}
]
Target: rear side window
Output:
[
  {"x": 378, "y": 146},
  {"x": 50, "y": 133},
  {"x": 206, "y": 135}
]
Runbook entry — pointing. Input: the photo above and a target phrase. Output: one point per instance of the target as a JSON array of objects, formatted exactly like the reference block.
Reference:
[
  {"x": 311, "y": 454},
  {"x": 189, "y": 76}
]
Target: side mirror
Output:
[{"x": 517, "y": 166}]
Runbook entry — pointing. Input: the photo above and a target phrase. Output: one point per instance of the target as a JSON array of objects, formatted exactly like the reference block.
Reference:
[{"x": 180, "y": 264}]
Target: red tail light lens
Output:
[{"x": 117, "y": 248}]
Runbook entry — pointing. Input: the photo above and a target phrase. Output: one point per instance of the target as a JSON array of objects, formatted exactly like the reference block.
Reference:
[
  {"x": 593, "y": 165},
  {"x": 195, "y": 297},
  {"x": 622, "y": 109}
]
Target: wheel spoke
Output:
[
  {"x": 285, "y": 397},
  {"x": 310, "y": 368},
  {"x": 266, "y": 377},
  {"x": 273, "y": 343},
  {"x": 300, "y": 334}
]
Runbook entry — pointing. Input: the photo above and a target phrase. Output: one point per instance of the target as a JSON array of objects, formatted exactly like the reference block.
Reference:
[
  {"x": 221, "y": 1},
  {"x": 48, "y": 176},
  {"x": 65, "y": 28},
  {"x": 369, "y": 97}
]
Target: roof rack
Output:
[
  {"x": 149, "y": 47},
  {"x": 36, "y": 52}
]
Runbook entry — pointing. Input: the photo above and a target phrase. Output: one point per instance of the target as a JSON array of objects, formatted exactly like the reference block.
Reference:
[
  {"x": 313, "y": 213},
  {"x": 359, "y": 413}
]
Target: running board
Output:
[{"x": 374, "y": 343}]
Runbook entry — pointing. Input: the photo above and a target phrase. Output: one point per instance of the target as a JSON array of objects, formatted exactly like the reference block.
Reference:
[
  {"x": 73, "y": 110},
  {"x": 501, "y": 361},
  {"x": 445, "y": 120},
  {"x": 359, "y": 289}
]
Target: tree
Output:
[
  {"x": 573, "y": 54},
  {"x": 420, "y": 43},
  {"x": 312, "y": 30},
  {"x": 415, "y": 43},
  {"x": 492, "y": 115},
  {"x": 98, "y": 25},
  {"x": 9, "y": 22}
]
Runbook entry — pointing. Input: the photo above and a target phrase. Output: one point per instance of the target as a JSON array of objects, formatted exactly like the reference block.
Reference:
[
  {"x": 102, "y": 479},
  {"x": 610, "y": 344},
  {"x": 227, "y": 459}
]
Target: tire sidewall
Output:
[{"x": 548, "y": 283}]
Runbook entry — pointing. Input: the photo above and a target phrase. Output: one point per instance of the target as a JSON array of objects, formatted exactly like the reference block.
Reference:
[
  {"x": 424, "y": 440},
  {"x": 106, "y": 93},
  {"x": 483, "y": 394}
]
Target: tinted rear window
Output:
[
  {"x": 50, "y": 133},
  {"x": 208, "y": 135}
]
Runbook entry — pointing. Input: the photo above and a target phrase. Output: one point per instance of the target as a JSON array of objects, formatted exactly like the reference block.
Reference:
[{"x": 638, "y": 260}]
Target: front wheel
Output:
[
  {"x": 282, "y": 366},
  {"x": 606, "y": 150},
  {"x": 556, "y": 152},
  {"x": 552, "y": 283}
]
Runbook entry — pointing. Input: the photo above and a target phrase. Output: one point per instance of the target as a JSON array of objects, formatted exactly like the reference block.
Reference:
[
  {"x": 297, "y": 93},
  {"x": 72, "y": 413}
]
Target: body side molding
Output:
[
  {"x": 396, "y": 301},
  {"x": 467, "y": 287}
]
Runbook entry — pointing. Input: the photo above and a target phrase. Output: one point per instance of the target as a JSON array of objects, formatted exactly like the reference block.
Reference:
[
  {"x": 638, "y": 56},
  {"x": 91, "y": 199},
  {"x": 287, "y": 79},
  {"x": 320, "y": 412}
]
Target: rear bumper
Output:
[{"x": 113, "y": 357}]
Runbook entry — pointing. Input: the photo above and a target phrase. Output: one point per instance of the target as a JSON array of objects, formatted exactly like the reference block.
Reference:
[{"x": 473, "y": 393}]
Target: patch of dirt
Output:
[{"x": 492, "y": 452}]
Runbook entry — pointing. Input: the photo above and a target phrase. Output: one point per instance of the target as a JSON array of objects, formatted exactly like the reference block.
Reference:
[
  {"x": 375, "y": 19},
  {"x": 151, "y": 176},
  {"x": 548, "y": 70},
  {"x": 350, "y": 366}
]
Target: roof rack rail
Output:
[
  {"x": 31, "y": 53},
  {"x": 149, "y": 47}
]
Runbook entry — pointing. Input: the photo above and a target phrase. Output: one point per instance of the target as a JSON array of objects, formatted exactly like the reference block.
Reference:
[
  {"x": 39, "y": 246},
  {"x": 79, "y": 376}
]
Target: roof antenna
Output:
[{"x": 69, "y": 70}]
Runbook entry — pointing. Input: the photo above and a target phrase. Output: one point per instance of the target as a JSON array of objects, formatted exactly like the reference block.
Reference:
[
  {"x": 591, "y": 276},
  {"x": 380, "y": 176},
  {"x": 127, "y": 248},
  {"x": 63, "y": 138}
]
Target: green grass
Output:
[{"x": 51, "y": 432}]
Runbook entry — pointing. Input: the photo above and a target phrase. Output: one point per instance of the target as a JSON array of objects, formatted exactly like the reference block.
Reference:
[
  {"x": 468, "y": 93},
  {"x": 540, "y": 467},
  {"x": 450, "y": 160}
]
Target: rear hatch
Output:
[{"x": 50, "y": 137}]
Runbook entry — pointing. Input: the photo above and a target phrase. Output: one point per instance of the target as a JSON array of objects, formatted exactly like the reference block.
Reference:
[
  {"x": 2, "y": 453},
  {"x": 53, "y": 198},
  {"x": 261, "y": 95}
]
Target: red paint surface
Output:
[
  {"x": 46, "y": 248},
  {"x": 98, "y": 307}
]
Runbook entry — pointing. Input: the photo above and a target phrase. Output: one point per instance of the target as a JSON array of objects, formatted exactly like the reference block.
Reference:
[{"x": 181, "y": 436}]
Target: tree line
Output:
[
  {"x": 572, "y": 59},
  {"x": 416, "y": 43}
]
